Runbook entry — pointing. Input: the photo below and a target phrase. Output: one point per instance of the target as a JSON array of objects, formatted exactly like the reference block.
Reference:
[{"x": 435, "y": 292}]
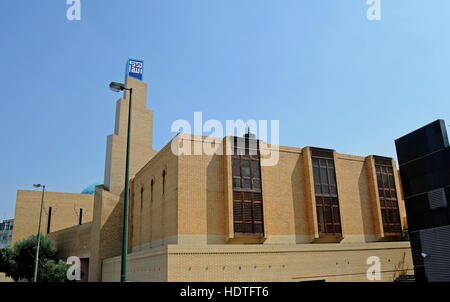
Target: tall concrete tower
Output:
[
  {"x": 141, "y": 150},
  {"x": 106, "y": 232}
]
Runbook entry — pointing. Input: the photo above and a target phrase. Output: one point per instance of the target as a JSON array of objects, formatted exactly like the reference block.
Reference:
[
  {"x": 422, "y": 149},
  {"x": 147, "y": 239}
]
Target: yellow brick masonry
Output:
[{"x": 184, "y": 234}]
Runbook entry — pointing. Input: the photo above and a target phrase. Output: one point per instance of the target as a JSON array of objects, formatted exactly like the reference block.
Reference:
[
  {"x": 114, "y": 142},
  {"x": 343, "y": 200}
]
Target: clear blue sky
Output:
[{"x": 332, "y": 78}]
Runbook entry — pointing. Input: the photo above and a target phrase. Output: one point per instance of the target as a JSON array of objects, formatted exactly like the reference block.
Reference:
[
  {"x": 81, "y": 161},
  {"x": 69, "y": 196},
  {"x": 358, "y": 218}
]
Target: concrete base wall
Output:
[
  {"x": 146, "y": 266},
  {"x": 263, "y": 263}
]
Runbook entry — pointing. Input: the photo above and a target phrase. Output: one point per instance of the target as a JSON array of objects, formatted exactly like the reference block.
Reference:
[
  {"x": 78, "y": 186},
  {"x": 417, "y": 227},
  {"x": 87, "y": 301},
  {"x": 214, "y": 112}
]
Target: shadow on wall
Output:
[
  {"x": 111, "y": 232},
  {"x": 108, "y": 241},
  {"x": 366, "y": 206},
  {"x": 299, "y": 201},
  {"x": 215, "y": 202}
]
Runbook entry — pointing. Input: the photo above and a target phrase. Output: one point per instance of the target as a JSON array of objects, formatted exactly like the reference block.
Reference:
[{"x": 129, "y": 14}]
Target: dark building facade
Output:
[{"x": 424, "y": 159}]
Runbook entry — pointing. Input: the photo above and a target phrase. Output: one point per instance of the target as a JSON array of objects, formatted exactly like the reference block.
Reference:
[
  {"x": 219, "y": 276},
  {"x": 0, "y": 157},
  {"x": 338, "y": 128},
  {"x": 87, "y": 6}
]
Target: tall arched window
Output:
[
  {"x": 164, "y": 182},
  {"x": 151, "y": 190}
]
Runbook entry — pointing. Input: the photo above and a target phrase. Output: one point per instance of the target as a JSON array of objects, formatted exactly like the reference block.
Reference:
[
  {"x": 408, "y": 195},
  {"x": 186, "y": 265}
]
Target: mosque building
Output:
[{"x": 315, "y": 215}]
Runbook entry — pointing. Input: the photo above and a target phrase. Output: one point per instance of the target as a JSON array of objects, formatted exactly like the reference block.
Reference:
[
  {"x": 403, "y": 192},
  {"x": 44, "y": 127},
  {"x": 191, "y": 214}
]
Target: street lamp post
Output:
[
  {"x": 117, "y": 87},
  {"x": 36, "y": 262}
]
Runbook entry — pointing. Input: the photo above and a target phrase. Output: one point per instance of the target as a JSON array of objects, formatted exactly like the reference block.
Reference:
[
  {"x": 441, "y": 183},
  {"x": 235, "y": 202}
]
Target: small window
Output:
[
  {"x": 164, "y": 182},
  {"x": 49, "y": 219},
  {"x": 142, "y": 197},
  {"x": 80, "y": 218},
  {"x": 151, "y": 190}
]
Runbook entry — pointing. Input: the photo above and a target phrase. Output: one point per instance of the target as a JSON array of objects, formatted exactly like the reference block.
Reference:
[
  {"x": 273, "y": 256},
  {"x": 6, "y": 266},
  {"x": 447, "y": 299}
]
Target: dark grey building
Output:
[{"x": 424, "y": 159}]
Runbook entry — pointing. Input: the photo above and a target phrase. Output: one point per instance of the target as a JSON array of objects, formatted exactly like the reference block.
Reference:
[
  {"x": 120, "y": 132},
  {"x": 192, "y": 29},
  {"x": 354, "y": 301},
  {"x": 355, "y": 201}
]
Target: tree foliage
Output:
[
  {"x": 53, "y": 271},
  {"x": 18, "y": 262},
  {"x": 6, "y": 256}
]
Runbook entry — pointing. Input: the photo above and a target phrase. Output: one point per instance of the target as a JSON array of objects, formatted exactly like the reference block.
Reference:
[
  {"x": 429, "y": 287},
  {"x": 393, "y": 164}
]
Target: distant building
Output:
[
  {"x": 424, "y": 159},
  {"x": 6, "y": 229}
]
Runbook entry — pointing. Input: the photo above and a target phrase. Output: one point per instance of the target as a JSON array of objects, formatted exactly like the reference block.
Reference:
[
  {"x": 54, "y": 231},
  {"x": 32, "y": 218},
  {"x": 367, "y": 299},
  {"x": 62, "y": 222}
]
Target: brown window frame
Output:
[
  {"x": 254, "y": 181},
  {"x": 388, "y": 199},
  {"x": 248, "y": 213},
  {"x": 327, "y": 201},
  {"x": 248, "y": 216}
]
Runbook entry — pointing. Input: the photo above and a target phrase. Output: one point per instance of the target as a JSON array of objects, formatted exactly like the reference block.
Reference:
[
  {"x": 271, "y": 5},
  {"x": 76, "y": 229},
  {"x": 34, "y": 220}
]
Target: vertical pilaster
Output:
[{"x": 310, "y": 193}]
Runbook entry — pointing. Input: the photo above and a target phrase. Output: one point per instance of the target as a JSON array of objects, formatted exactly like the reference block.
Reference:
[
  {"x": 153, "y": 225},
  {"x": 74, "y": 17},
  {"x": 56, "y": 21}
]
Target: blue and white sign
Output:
[{"x": 135, "y": 69}]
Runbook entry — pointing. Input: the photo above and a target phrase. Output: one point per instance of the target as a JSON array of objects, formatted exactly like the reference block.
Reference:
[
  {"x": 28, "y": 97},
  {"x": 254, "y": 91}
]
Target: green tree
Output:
[
  {"x": 18, "y": 262},
  {"x": 53, "y": 271},
  {"x": 6, "y": 258}
]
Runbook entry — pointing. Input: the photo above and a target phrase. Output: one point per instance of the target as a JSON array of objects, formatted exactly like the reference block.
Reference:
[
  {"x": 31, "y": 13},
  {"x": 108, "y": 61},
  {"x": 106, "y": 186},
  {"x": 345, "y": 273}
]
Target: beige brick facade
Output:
[
  {"x": 185, "y": 234},
  {"x": 65, "y": 212}
]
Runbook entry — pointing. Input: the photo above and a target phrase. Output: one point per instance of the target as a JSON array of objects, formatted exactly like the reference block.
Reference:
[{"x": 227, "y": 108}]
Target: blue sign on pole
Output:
[{"x": 135, "y": 69}]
